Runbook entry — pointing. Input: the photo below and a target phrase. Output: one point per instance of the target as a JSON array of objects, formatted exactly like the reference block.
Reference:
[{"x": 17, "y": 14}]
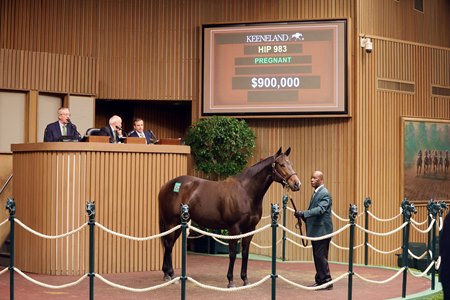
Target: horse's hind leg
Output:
[
  {"x": 232, "y": 245},
  {"x": 168, "y": 242}
]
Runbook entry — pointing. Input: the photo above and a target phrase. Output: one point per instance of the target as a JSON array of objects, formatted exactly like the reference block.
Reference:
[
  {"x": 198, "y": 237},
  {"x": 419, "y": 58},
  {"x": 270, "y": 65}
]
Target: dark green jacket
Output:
[{"x": 318, "y": 215}]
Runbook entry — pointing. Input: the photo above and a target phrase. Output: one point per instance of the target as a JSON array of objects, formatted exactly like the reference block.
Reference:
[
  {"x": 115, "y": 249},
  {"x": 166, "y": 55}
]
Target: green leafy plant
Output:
[{"x": 220, "y": 146}]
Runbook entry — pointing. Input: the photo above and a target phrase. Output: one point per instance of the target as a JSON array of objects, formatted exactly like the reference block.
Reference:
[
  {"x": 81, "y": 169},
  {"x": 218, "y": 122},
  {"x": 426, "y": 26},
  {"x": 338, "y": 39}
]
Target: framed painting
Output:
[{"x": 426, "y": 159}]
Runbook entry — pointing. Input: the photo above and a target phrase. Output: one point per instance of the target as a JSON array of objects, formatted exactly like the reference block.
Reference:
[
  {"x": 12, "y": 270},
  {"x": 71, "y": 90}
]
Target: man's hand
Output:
[{"x": 299, "y": 214}]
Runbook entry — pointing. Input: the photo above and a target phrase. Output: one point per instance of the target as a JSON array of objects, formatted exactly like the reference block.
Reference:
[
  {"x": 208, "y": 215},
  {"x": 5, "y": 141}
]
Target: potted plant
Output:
[{"x": 221, "y": 147}]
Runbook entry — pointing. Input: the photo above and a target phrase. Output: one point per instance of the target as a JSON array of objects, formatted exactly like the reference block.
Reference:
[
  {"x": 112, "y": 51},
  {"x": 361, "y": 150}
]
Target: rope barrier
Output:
[
  {"x": 420, "y": 223},
  {"x": 229, "y": 237},
  {"x": 265, "y": 247},
  {"x": 297, "y": 244},
  {"x": 310, "y": 288},
  {"x": 346, "y": 248},
  {"x": 51, "y": 237},
  {"x": 441, "y": 224},
  {"x": 49, "y": 286},
  {"x": 383, "y": 220},
  {"x": 338, "y": 217},
  {"x": 424, "y": 273},
  {"x": 4, "y": 222},
  {"x": 383, "y": 252},
  {"x": 234, "y": 289},
  {"x": 315, "y": 238},
  {"x": 136, "y": 290},
  {"x": 137, "y": 238},
  {"x": 382, "y": 234},
  {"x": 438, "y": 263},
  {"x": 422, "y": 256},
  {"x": 384, "y": 281},
  {"x": 4, "y": 271},
  {"x": 424, "y": 231}
]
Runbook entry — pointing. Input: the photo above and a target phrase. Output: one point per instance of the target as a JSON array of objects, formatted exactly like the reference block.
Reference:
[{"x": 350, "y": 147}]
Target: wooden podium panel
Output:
[
  {"x": 53, "y": 182},
  {"x": 135, "y": 140},
  {"x": 168, "y": 141},
  {"x": 97, "y": 139}
]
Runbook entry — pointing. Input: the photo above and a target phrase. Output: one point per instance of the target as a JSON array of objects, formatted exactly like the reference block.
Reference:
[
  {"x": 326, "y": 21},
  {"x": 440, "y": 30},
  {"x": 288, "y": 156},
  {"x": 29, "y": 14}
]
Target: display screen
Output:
[{"x": 293, "y": 68}]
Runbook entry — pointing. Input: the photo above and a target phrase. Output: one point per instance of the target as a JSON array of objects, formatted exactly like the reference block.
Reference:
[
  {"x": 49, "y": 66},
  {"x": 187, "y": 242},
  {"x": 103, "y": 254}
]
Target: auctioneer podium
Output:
[{"x": 53, "y": 182}]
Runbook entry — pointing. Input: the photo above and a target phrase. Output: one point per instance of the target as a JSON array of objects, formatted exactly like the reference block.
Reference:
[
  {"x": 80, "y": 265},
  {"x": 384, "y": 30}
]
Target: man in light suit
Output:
[
  {"x": 138, "y": 125},
  {"x": 319, "y": 223},
  {"x": 113, "y": 130},
  {"x": 63, "y": 128}
]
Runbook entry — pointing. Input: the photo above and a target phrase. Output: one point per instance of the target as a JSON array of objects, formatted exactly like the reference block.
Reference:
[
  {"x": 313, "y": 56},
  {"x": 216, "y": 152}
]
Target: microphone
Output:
[
  {"x": 118, "y": 128},
  {"x": 153, "y": 137}
]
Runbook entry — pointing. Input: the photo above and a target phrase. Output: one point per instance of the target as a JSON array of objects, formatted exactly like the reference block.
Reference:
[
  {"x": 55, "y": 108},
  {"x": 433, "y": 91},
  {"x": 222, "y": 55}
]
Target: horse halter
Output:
[{"x": 274, "y": 171}]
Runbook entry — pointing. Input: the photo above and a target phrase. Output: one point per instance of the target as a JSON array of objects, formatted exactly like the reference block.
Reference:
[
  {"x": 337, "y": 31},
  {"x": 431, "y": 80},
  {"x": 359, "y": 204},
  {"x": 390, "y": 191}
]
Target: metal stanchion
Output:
[
  {"x": 11, "y": 206},
  {"x": 353, "y": 212},
  {"x": 90, "y": 210},
  {"x": 275, "y": 214},
  {"x": 283, "y": 249},
  {"x": 367, "y": 203},
  {"x": 408, "y": 210},
  {"x": 184, "y": 219}
]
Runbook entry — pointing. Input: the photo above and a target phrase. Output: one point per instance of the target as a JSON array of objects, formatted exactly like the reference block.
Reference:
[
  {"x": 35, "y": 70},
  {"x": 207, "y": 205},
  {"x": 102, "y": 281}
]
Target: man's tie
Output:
[{"x": 64, "y": 129}]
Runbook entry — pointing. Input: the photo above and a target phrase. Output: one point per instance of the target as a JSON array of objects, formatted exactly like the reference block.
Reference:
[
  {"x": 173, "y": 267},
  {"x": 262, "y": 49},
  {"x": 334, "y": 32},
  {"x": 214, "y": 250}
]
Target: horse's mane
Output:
[{"x": 257, "y": 167}]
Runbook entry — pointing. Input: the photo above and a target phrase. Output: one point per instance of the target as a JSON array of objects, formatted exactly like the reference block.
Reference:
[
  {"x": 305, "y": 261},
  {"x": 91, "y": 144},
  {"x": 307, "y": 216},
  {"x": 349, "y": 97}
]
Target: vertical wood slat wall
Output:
[
  {"x": 151, "y": 50},
  {"x": 51, "y": 190}
]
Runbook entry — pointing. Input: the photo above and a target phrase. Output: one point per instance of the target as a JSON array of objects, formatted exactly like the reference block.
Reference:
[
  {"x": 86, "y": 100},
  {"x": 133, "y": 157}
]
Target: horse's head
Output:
[{"x": 283, "y": 172}]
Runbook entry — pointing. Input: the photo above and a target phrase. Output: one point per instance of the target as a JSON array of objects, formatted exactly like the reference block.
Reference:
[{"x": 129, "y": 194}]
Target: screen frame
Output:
[{"x": 344, "y": 57}]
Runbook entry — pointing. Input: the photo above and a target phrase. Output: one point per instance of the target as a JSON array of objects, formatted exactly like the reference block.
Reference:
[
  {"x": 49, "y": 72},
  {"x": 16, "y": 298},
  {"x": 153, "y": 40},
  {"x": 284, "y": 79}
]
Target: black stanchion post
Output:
[
  {"x": 433, "y": 208},
  {"x": 367, "y": 203},
  {"x": 285, "y": 201},
  {"x": 429, "y": 218},
  {"x": 90, "y": 210},
  {"x": 353, "y": 211},
  {"x": 408, "y": 210},
  {"x": 11, "y": 207},
  {"x": 184, "y": 219},
  {"x": 275, "y": 214}
]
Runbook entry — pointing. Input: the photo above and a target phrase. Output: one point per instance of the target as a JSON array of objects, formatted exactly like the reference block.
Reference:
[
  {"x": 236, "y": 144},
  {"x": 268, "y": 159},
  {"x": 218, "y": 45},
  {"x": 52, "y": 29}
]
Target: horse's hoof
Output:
[
  {"x": 167, "y": 278},
  {"x": 231, "y": 285},
  {"x": 245, "y": 282}
]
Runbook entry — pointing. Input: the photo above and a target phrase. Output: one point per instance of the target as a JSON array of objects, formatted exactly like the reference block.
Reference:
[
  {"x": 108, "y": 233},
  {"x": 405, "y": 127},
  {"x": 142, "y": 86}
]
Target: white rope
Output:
[
  {"x": 310, "y": 288},
  {"x": 346, "y": 248},
  {"x": 4, "y": 271},
  {"x": 138, "y": 238},
  {"x": 315, "y": 238},
  {"x": 229, "y": 237},
  {"x": 420, "y": 223},
  {"x": 384, "y": 281},
  {"x": 49, "y": 286},
  {"x": 4, "y": 222},
  {"x": 265, "y": 247},
  {"x": 441, "y": 224},
  {"x": 338, "y": 217},
  {"x": 266, "y": 217},
  {"x": 383, "y": 220},
  {"x": 424, "y": 231},
  {"x": 297, "y": 244},
  {"x": 424, "y": 273},
  {"x": 382, "y": 234},
  {"x": 383, "y": 252},
  {"x": 438, "y": 263},
  {"x": 419, "y": 257},
  {"x": 136, "y": 290},
  {"x": 234, "y": 289},
  {"x": 51, "y": 237},
  {"x": 193, "y": 237}
]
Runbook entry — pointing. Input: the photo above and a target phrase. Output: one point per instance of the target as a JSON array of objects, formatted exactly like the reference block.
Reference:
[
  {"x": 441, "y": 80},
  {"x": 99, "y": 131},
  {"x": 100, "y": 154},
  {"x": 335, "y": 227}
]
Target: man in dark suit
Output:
[
  {"x": 444, "y": 251},
  {"x": 62, "y": 129},
  {"x": 318, "y": 224},
  {"x": 113, "y": 130},
  {"x": 138, "y": 125}
]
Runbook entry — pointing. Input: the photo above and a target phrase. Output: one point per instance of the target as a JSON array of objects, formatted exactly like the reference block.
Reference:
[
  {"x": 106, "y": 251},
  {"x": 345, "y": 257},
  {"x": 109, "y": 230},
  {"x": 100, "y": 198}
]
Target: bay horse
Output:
[{"x": 234, "y": 204}]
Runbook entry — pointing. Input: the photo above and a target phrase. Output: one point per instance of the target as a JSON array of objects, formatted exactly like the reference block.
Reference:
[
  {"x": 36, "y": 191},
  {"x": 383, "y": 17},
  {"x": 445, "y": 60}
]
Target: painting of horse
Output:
[{"x": 234, "y": 204}]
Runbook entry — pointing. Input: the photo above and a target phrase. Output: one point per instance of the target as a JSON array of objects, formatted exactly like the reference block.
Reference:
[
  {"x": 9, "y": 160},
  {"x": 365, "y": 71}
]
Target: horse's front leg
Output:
[
  {"x": 168, "y": 242},
  {"x": 232, "y": 245},
  {"x": 245, "y": 247}
]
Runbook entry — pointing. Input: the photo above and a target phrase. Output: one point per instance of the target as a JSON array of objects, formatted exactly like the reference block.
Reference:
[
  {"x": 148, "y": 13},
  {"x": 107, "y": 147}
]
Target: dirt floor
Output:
[{"x": 211, "y": 270}]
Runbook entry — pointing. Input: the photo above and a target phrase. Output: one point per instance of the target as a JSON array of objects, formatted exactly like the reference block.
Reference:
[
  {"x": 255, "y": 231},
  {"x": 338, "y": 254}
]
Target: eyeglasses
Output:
[{"x": 65, "y": 114}]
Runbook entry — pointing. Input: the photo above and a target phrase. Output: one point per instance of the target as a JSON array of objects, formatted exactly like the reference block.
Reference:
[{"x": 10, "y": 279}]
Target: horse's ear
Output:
[
  {"x": 288, "y": 151},
  {"x": 279, "y": 152}
]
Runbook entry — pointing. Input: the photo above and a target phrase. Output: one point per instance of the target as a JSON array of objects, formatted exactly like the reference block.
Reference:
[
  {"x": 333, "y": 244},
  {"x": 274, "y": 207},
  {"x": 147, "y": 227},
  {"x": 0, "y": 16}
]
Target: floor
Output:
[{"x": 211, "y": 270}]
